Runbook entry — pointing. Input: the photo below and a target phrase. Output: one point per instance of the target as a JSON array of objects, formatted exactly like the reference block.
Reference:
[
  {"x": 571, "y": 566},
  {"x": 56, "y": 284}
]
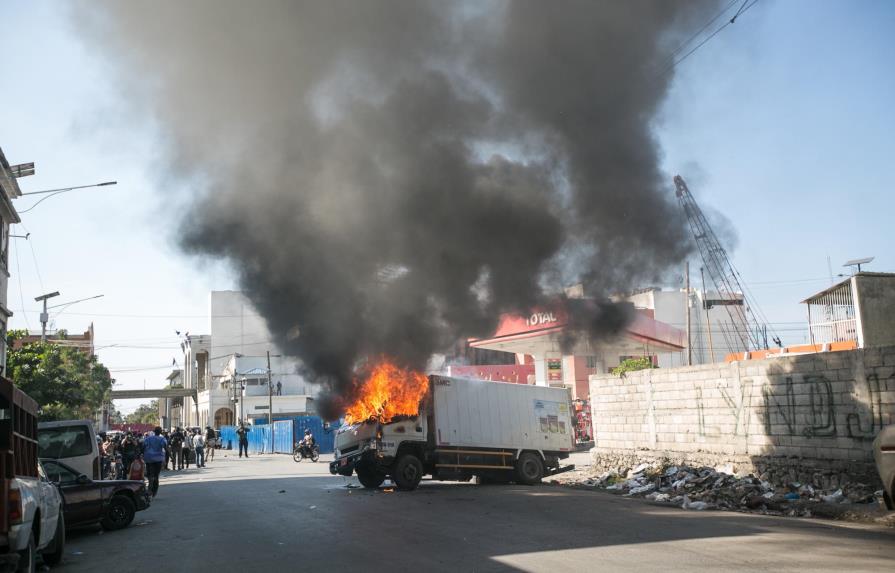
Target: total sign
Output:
[{"x": 541, "y": 318}]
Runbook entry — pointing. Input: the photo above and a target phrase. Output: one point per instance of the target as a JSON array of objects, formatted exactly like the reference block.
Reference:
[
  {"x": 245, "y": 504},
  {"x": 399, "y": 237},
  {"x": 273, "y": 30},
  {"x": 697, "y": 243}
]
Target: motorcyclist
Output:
[{"x": 307, "y": 443}]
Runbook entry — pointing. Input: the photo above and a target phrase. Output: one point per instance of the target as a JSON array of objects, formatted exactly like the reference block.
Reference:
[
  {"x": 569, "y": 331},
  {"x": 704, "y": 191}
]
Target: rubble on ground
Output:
[{"x": 701, "y": 488}]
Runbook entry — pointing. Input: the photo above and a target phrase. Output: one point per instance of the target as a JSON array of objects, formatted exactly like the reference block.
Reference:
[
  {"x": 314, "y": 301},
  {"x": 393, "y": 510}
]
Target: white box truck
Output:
[{"x": 494, "y": 431}]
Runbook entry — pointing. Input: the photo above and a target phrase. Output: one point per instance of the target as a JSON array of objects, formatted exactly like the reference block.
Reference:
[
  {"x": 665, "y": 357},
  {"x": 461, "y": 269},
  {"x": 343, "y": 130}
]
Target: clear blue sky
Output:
[{"x": 782, "y": 123}]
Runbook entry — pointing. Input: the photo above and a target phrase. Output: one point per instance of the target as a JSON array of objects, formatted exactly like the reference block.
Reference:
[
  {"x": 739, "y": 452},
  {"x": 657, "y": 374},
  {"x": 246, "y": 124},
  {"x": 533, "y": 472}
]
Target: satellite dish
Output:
[{"x": 858, "y": 262}]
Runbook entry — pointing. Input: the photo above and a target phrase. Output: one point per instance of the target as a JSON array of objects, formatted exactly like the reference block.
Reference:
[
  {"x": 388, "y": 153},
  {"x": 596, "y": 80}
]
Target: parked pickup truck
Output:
[
  {"x": 31, "y": 518},
  {"x": 494, "y": 431}
]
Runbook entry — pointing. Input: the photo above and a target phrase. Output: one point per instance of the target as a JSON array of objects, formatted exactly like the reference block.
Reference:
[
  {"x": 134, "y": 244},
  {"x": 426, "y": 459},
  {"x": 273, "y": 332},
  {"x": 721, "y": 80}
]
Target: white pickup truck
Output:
[
  {"x": 494, "y": 431},
  {"x": 31, "y": 507}
]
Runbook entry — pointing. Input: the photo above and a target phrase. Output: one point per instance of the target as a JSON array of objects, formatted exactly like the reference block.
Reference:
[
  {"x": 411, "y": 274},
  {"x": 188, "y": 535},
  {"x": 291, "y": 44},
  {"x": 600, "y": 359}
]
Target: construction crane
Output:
[{"x": 746, "y": 331}]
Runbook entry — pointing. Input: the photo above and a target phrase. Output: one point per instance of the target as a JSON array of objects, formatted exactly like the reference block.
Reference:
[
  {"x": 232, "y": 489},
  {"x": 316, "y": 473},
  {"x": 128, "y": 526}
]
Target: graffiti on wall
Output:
[{"x": 817, "y": 418}]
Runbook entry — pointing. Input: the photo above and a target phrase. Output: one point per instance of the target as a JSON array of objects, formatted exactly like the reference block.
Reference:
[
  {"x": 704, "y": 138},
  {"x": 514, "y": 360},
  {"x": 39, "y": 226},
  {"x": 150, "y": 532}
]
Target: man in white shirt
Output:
[{"x": 199, "y": 445}]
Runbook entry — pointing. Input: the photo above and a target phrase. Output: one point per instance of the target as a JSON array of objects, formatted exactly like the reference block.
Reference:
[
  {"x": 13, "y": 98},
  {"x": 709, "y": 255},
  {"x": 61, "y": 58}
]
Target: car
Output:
[
  {"x": 884, "y": 454},
  {"x": 72, "y": 441},
  {"x": 111, "y": 503}
]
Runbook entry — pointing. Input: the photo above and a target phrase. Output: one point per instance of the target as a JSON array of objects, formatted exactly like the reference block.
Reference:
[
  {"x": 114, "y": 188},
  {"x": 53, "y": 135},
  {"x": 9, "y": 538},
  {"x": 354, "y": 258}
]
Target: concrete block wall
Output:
[{"x": 811, "y": 415}]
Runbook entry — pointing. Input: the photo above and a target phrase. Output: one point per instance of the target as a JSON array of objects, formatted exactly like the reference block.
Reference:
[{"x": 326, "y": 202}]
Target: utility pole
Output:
[
  {"x": 705, "y": 308},
  {"x": 269, "y": 402},
  {"x": 687, "y": 310},
  {"x": 44, "y": 317}
]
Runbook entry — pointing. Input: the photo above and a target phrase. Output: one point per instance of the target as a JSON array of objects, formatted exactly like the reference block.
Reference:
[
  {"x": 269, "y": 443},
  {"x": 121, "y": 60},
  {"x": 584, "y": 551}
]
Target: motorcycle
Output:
[{"x": 301, "y": 452}]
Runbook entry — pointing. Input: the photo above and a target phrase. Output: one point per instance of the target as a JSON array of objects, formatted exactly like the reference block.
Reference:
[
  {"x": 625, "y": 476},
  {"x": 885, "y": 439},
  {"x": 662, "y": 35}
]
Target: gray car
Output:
[{"x": 884, "y": 454}]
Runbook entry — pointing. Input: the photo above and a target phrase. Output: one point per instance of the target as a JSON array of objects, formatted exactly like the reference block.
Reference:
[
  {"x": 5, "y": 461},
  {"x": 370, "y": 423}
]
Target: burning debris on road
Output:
[{"x": 701, "y": 488}]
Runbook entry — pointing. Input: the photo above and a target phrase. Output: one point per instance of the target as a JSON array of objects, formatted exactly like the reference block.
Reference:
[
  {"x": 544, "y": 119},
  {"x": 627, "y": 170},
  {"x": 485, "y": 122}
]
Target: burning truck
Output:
[{"x": 406, "y": 425}]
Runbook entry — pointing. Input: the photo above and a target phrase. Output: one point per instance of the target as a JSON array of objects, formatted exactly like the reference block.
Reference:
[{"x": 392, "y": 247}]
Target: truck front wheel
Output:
[
  {"x": 408, "y": 472},
  {"x": 529, "y": 469},
  {"x": 370, "y": 477}
]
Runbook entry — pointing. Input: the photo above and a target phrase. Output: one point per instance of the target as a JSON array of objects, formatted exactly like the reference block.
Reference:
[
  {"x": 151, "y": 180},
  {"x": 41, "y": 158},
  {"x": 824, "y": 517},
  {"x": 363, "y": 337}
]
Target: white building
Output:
[
  {"x": 229, "y": 369},
  {"x": 9, "y": 189},
  {"x": 712, "y": 332}
]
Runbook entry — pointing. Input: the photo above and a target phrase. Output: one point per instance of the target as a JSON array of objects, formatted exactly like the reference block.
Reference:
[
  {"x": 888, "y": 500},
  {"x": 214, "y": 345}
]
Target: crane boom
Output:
[{"x": 747, "y": 331}]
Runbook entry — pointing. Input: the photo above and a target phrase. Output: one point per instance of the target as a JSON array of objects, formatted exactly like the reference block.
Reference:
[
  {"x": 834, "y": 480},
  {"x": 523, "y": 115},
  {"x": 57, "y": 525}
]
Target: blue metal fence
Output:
[
  {"x": 282, "y": 436},
  {"x": 285, "y": 433}
]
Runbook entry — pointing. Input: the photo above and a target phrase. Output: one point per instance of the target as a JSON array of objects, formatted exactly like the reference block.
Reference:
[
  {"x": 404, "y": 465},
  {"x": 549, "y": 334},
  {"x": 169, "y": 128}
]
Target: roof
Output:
[
  {"x": 840, "y": 284},
  {"x": 547, "y": 323}
]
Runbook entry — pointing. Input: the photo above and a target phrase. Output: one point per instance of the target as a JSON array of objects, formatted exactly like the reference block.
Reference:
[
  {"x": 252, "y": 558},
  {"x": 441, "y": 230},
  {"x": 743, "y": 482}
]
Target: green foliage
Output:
[
  {"x": 66, "y": 383},
  {"x": 632, "y": 365},
  {"x": 144, "y": 414}
]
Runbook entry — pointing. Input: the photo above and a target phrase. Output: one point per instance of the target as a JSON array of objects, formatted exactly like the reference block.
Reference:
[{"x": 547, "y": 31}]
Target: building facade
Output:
[
  {"x": 9, "y": 189},
  {"x": 228, "y": 368},
  {"x": 715, "y": 330}
]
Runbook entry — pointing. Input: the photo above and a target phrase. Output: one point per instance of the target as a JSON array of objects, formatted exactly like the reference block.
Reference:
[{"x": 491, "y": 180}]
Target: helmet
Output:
[{"x": 307, "y": 432}]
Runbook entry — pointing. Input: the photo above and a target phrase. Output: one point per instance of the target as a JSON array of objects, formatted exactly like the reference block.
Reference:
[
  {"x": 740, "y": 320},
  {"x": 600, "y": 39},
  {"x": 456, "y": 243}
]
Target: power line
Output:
[
  {"x": 702, "y": 29},
  {"x": 739, "y": 13},
  {"x": 21, "y": 293}
]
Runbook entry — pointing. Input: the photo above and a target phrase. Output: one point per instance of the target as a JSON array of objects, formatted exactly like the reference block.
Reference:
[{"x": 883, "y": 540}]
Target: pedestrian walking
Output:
[
  {"x": 199, "y": 446},
  {"x": 279, "y": 388},
  {"x": 243, "y": 434},
  {"x": 211, "y": 443},
  {"x": 154, "y": 447}
]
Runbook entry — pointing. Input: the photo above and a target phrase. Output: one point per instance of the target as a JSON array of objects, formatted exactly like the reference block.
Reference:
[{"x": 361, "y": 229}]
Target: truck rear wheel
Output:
[
  {"x": 407, "y": 472},
  {"x": 529, "y": 469},
  {"x": 370, "y": 477}
]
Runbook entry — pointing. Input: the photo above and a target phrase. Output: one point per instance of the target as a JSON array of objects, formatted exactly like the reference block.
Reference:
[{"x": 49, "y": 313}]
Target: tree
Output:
[
  {"x": 66, "y": 383},
  {"x": 632, "y": 365},
  {"x": 144, "y": 414}
]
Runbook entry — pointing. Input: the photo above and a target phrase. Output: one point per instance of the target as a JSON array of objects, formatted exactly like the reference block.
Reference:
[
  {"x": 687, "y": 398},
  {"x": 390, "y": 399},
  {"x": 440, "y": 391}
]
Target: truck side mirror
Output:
[{"x": 83, "y": 479}]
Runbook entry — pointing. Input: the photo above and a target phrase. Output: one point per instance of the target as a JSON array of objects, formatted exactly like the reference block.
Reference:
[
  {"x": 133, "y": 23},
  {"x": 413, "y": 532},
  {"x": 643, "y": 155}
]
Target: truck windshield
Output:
[{"x": 67, "y": 442}]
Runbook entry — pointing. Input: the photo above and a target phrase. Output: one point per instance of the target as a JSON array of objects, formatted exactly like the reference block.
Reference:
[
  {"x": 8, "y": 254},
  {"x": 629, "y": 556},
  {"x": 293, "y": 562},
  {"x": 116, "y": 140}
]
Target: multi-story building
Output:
[
  {"x": 229, "y": 369},
  {"x": 715, "y": 331}
]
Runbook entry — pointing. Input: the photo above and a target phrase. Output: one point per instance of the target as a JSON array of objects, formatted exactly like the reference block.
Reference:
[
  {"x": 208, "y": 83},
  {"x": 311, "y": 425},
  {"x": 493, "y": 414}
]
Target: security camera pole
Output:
[{"x": 44, "y": 317}]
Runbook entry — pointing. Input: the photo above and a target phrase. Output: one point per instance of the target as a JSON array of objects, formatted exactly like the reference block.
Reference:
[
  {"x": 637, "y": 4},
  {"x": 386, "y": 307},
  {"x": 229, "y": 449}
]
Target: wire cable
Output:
[
  {"x": 21, "y": 292},
  {"x": 739, "y": 13}
]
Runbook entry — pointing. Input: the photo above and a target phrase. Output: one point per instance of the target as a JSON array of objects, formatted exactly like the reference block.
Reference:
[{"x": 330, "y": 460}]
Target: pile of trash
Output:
[{"x": 710, "y": 488}]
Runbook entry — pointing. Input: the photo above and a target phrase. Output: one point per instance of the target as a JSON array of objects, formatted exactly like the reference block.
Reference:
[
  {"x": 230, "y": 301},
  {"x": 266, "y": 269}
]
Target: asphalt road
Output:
[{"x": 268, "y": 513}]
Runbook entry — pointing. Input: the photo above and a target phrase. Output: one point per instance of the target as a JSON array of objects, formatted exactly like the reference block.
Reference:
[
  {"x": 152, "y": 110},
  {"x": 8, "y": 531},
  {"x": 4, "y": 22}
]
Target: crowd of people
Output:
[{"x": 129, "y": 455}]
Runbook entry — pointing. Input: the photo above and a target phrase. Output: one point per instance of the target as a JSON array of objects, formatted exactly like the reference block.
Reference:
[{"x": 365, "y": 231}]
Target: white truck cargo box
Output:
[{"x": 484, "y": 414}]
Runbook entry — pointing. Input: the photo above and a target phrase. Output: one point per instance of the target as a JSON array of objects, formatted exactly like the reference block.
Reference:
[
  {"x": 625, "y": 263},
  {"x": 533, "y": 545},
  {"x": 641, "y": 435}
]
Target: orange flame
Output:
[{"x": 387, "y": 392}]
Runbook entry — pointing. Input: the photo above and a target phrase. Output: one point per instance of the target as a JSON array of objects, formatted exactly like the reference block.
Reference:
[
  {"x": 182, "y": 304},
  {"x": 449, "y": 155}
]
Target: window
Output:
[
  {"x": 58, "y": 473},
  {"x": 66, "y": 442},
  {"x": 591, "y": 361}
]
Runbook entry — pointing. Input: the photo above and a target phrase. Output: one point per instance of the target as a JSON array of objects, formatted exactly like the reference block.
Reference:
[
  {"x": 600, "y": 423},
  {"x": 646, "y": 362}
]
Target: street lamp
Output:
[
  {"x": 51, "y": 192},
  {"x": 65, "y": 305},
  {"x": 44, "y": 317}
]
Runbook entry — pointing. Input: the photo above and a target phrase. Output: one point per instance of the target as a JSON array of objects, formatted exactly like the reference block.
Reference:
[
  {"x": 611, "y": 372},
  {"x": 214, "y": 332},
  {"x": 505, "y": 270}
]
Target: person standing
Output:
[
  {"x": 243, "y": 434},
  {"x": 154, "y": 447},
  {"x": 177, "y": 449},
  {"x": 188, "y": 451},
  {"x": 167, "y": 447},
  {"x": 129, "y": 451},
  {"x": 199, "y": 446},
  {"x": 279, "y": 388}
]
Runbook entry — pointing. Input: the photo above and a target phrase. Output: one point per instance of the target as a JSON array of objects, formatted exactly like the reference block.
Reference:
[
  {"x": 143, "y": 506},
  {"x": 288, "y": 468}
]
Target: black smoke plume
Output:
[{"x": 389, "y": 176}]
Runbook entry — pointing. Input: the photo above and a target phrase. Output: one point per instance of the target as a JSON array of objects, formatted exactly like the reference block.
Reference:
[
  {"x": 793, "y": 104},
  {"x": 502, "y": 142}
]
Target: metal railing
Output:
[{"x": 831, "y": 316}]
